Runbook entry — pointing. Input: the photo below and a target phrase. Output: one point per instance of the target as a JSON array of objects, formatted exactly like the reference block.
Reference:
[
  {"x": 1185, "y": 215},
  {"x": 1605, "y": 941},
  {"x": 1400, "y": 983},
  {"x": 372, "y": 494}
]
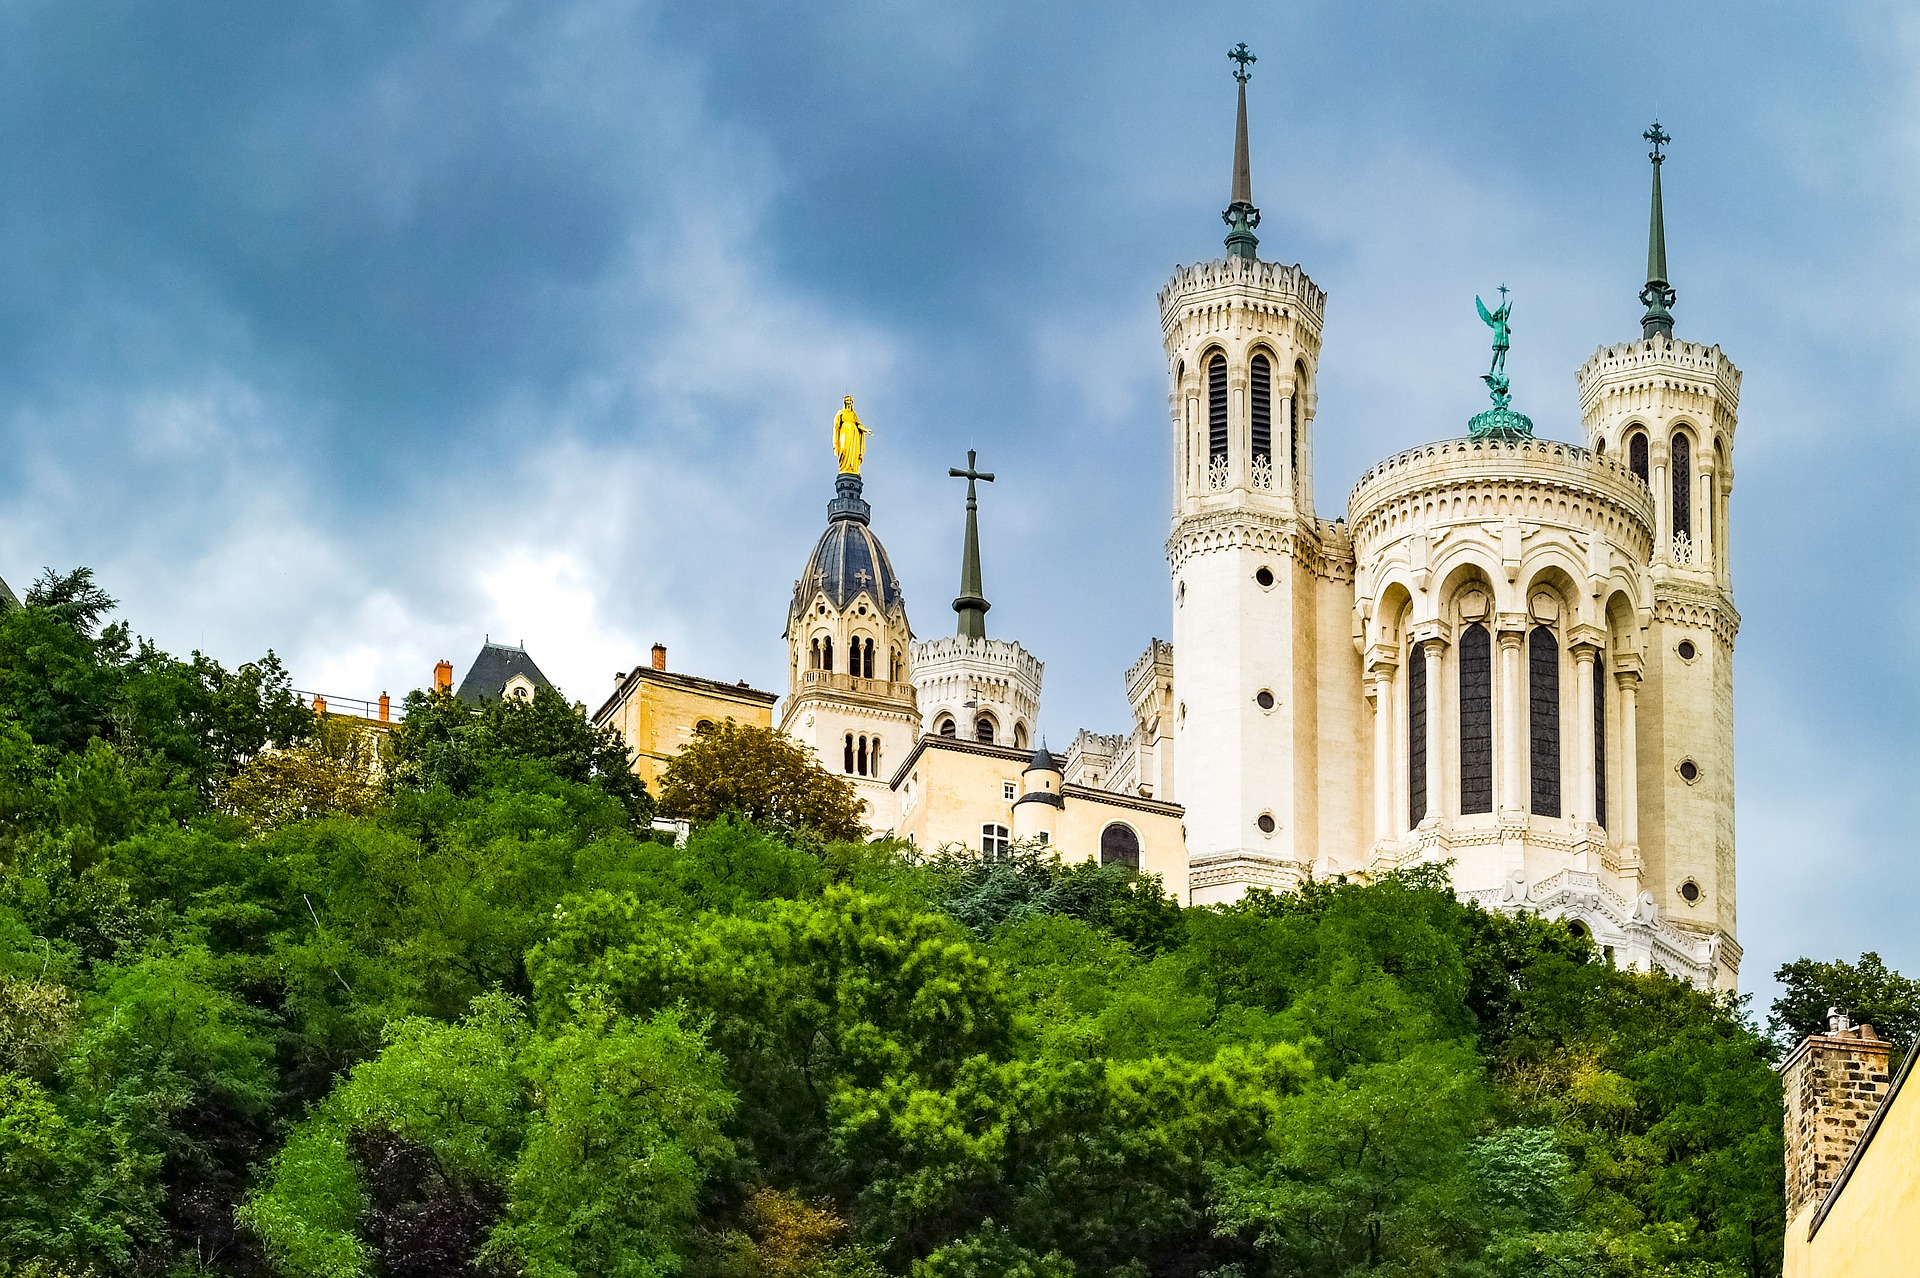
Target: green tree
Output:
[
  {"x": 763, "y": 775},
  {"x": 1867, "y": 990}
]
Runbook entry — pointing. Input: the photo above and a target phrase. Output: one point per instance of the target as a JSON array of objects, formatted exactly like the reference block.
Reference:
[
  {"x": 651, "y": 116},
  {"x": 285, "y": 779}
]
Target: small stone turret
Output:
[
  {"x": 1036, "y": 812},
  {"x": 1833, "y": 1083}
]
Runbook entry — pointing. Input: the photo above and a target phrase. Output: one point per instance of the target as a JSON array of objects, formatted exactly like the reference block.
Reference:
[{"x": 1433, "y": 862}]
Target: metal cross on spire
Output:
[
  {"x": 1659, "y": 137},
  {"x": 972, "y": 604},
  {"x": 1244, "y": 56}
]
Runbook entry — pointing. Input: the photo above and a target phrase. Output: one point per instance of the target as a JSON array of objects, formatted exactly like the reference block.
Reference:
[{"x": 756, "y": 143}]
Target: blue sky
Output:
[{"x": 360, "y": 331}]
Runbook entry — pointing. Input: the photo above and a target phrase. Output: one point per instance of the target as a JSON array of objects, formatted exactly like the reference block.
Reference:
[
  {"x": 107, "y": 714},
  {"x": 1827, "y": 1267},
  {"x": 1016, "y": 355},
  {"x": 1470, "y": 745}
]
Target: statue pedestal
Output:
[{"x": 847, "y": 502}]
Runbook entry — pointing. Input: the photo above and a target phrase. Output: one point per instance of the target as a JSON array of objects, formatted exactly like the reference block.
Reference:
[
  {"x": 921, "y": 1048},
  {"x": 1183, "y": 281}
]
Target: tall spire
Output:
[
  {"x": 1241, "y": 217},
  {"x": 972, "y": 604},
  {"x": 1658, "y": 295}
]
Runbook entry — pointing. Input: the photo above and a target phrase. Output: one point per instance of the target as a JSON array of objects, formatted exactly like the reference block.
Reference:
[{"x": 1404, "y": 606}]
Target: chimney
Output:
[
  {"x": 1833, "y": 1083},
  {"x": 659, "y": 656},
  {"x": 386, "y": 708},
  {"x": 443, "y": 677},
  {"x": 319, "y": 704}
]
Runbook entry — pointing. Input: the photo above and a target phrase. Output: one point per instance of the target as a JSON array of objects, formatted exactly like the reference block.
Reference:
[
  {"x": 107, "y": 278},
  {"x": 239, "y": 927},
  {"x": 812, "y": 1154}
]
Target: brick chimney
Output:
[
  {"x": 1833, "y": 1083},
  {"x": 386, "y": 708},
  {"x": 443, "y": 677},
  {"x": 659, "y": 656}
]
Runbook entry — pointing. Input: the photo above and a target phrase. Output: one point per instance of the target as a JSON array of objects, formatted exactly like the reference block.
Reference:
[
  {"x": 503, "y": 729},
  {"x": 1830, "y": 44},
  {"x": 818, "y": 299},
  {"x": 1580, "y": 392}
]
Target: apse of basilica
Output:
[{"x": 1508, "y": 654}]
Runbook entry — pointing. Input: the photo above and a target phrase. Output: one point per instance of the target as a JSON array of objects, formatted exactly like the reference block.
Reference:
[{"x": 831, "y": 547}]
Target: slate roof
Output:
[
  {"x": 487, "y": 679},
  {"x": 848, "y": 559}
]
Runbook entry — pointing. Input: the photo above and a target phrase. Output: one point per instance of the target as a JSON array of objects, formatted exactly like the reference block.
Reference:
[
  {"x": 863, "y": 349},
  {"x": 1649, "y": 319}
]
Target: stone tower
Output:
[
  {"x": 850, "y": 693},
  {"x": 1667, "y": 408},
  {"x": 1243, "y": 344}
]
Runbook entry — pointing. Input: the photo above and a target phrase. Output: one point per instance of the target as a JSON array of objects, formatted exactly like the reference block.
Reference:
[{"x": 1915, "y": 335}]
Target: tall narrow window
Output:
[
  {"x": 1600, "y": 739},
  {"x": 1262, "y": 395},
  {"x": 946, "y": 727},
  {"x": 1216, "y": 408},
  {"x": 983, "y": 729},
  {"x": 848, "y": 764},
  {"x": 1682, "y": 487},
  {"x": 1543, "y": 718},
  {"x": 860, "y": 758},
  {"x": 1637, "y": 455},
  {"x": 826, "y": 653},
  {"x": 1476, "y": 719},
  {"x": 869, "y": 647},
  {"x": 1416, "y": 735},
  {"x": 1119, "y": 845},
  {"x": 816, "y": 654},
  {"x": 873, "y": 758}
]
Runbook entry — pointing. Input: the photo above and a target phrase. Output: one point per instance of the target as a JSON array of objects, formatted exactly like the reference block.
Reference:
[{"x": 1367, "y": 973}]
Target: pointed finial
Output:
[
  {"x": 972, "y": 604},
  {"x": 1658, "y": 295},
  {"x": 1241, "y": 216}
]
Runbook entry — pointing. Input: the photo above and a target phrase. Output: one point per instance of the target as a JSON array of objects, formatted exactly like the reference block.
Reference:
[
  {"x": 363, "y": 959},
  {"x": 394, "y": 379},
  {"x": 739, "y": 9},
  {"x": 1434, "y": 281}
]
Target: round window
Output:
[
  {"x": 1691, "y": 891},
  {"x": 1264, "y": 699},
  {"x": 1687, "y": 651},
  {"x": 1689, "y": 771},
  {"x": 1265, "y": 823},
  {"x": 1264, "y": 577}
]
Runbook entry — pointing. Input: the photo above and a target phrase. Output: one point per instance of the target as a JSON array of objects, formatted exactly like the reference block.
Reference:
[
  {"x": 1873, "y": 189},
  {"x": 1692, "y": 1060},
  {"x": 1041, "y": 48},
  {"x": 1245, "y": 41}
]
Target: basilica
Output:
[{"x": 1508, "y": 655}]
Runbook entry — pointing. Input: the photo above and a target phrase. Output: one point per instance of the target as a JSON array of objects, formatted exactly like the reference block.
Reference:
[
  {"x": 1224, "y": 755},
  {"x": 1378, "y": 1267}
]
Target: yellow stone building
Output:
[{"x": 656, "y": 711}]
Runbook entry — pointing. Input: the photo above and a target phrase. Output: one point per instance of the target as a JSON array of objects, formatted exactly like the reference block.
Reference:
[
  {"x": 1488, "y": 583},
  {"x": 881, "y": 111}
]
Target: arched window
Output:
[
  {"x": 1600, "y": 739},
  {"x": 860, "y": 759},
  {"x": 1637, "y": 455},
  {"x": 1416, "y": 735},
  {"x": 893, "y": 666},
  {"x": 873, "y": 758},
  {"x": 994, "y": 842},
  {"x": 1019, "y": 736},
  {"x": 1682, "y": 486},
  {"x": 847, "y": 764},
  {"x": 1262, "y": 395},
  {"x": 945, "y": 726},
  {"x": 1119, "y": 845},
  {"x": 1476, "y": 719},
  {"x": 983, "y": 729},
  {"x": 1217, "y": 407},
  {"x": 1543, "y": 718},
  {"x": 869, "y": 648},
  {"x": 816, "y": 654},
  {"x": 826, "y": 653}
]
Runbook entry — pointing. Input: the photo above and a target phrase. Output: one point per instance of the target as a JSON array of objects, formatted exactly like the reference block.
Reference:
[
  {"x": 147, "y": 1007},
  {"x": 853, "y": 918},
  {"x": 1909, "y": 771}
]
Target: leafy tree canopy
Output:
[{"x": 761, "y": 774}]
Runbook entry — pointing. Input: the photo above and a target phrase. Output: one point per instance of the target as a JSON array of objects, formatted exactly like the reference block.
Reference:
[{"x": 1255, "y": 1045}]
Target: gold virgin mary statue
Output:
[{"x": 849, "y": 439}]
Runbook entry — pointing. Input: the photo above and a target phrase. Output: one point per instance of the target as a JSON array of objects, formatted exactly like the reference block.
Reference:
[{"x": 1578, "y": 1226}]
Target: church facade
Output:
[{"x": 1507, "y": 654}]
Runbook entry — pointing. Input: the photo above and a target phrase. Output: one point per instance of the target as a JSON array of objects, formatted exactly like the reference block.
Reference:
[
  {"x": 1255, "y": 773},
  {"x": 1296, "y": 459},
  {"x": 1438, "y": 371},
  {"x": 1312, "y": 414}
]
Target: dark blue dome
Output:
[{"x": 848, "y": 559}]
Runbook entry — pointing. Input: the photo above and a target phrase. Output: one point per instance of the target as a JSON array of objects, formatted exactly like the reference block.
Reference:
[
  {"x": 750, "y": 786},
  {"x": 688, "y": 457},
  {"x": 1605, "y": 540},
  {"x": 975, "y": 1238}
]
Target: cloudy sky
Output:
[{"x": 359, "y": 331}]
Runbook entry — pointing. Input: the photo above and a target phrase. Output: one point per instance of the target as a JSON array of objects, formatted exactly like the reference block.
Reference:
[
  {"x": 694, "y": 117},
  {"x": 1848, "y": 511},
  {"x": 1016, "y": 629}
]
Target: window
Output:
[
  {"x": 1416, "y": 735},
  {"x": 1119, "y": 845},
  {"x": 1007, "y": 790},
  {"x": 869, "y": 658},
  {"x": 1263, "y": 577},
  {"x": 705, "y": 725},
  {"x": 1543, "y": 717},
  {"x": 860, "y": 758},
  {"x": 873, "y": 758},
  {"x": 1265, "y": 822},
  {"x": 983, "y": 729},
  {"x": 1637, "y": 455},
  {"x": 994, "y": 841},
  {"x": 1600, "y": 740},
  {"x": 1686, "y": 650},
  {"x": 1019, "y": 736},
  {"x": 1689, "y": 771},
  {"x": 945, "y": 726},
  {"x": 1262, "y": 409},
  {"x": 1690, "y": 891},
  {"x": 815, "y": 660},
  {"x": 1263, "y": 699},
  {"x": 826, "y": 652},
  {"x": 1217, "y": 408},
  {"x": 1682, "y": 486},
  {"x": 1476, "y": 719},
  {"x": 847, "y": 764}
]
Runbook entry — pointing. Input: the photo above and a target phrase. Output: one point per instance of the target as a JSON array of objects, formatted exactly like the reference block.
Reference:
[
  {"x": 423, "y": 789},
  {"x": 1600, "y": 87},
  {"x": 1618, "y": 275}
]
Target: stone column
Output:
[
  {"x": 1581, "y": 809},
  {"x": 1629, "y": 685},
  {"x": 1511, "y": 745},
  {"x": 1662, "y": 502},
  {"x": 1704, "y": 522},
  {"x": 1431, "y": 649},
  {"x": 1382, "y": 752},
  {"x": 1239, "y": 454},
  {"x": 1283, "y": 446}
]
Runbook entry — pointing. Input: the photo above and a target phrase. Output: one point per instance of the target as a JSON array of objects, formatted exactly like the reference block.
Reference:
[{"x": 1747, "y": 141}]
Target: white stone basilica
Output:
[{"x": 1509, "y": 654}]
